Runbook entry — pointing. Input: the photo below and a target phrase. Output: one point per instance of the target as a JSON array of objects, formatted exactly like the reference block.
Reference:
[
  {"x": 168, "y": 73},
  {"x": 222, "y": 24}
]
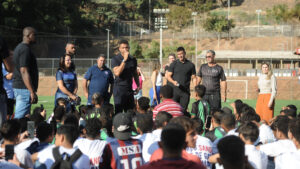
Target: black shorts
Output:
[{"x": 214, "y": 101}]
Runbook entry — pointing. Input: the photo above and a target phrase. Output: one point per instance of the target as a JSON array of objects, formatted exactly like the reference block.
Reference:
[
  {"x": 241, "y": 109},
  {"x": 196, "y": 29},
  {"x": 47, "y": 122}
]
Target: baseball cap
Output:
[{"x": 122, "y": 126}]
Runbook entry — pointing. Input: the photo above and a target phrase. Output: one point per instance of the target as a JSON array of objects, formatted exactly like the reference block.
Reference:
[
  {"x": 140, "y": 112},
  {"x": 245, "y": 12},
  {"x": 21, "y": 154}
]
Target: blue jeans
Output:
[
  {"x": 22, "y": 103},
  {"x": 3, "y": 108},
  {"x": 151, "y": 93}
]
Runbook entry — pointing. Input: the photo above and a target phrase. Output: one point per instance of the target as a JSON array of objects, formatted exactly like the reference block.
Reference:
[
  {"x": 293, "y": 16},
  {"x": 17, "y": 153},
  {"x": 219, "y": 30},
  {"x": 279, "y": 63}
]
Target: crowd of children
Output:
[{"x": 152, "y": 137}]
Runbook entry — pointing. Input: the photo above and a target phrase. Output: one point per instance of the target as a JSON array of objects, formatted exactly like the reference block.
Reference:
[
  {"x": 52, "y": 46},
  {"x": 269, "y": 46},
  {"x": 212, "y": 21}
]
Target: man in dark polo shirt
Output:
[
  {"x": 179, "y": 77},
  {"x": 124, "y": 68},
  {"x": 26, "y": 74},
  {"x": 4, "y": 58},
  {"x": 100, "y": 79},
  {"x": 210, "y": 75}
]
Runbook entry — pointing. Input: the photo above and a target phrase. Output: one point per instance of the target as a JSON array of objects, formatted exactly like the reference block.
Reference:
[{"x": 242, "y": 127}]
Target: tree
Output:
[
  {"x": 218, "y": 24},
  {"x": 47, "y": 16},
  {"x": 279, "y": 13},
  {"x": 136, "y": 49},
  {"x": 151, "y": 51},
  {"x": 178, "y": 18}
]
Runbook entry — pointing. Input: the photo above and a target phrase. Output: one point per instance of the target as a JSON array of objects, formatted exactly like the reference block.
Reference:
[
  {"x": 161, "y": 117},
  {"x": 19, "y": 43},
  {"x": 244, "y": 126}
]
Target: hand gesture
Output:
[
  {"x": 73, "y": 97},
  {"x": 126, "y": 55}
]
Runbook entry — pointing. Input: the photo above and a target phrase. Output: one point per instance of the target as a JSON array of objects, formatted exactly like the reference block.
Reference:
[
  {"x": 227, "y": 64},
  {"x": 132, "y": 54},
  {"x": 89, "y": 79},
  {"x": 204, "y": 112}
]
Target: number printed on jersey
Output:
[{"x": 129, "y": 150}]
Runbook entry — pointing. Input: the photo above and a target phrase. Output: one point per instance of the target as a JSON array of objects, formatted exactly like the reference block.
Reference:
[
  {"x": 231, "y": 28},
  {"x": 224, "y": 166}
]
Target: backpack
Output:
[{"x": 64, "y": 163}]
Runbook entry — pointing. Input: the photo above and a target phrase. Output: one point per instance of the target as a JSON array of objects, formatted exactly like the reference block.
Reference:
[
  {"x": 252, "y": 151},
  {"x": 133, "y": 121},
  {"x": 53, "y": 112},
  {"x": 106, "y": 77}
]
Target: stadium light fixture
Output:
[{"x": 161, "y": 23}]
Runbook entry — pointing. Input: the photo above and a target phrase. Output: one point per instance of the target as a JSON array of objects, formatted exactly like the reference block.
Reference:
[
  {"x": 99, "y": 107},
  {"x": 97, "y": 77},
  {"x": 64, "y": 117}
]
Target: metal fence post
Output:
[{"x": 52, "y": 67}]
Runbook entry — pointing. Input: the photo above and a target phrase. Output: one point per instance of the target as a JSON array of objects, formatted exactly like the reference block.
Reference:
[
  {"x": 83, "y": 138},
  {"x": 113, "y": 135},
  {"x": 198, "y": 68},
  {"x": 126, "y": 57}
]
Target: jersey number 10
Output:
[{"x": 135, "y": 162}]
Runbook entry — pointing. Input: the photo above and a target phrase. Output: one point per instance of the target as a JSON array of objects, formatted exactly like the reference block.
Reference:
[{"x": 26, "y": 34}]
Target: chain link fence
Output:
[{"x": 49, "y": 66}]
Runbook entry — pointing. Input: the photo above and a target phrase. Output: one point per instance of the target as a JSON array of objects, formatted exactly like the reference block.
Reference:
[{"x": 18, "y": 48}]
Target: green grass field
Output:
[{"x": 48, "y": 102}]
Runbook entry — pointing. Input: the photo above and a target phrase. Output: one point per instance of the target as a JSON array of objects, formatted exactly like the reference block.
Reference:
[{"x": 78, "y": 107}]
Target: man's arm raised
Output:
[{"x": 119, "y": 69}]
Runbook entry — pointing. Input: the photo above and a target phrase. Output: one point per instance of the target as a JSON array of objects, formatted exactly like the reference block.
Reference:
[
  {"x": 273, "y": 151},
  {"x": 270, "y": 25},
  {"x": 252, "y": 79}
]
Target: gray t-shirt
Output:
[{"x": 211, "y": 77}]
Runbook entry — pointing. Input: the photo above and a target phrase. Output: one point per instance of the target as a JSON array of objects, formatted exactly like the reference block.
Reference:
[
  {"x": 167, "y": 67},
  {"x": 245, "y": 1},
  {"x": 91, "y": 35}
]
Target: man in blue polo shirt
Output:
[{"x": 100, "y": 79}]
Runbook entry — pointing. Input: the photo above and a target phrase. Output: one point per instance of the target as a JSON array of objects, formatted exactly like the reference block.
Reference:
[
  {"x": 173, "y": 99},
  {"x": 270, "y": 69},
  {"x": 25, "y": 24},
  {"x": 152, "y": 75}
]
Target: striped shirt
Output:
[
  {"x": 169, "y": 106},
  {"x": 120, "y": 154}
]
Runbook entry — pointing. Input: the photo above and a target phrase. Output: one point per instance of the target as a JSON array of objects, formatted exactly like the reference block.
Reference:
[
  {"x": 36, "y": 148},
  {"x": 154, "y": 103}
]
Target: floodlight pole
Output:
[
  {"x": 107, "y": 44},
  {"x": 195, "y": 32},
  {"x": 149, "y": 15},
  {"x": 228, "y": 11},
  {"x": 160, "y": 40},
  {"x": 258, "y": 15}
]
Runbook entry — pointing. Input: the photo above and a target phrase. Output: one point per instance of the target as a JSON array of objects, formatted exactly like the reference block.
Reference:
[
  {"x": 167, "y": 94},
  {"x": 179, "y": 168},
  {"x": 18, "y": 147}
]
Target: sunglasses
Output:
[{"x": 208, "y": 56}]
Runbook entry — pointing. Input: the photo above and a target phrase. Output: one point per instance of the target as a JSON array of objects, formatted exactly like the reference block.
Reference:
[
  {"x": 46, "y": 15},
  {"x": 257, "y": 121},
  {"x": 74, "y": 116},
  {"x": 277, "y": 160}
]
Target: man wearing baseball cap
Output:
[{"x": 123, "y": 152}]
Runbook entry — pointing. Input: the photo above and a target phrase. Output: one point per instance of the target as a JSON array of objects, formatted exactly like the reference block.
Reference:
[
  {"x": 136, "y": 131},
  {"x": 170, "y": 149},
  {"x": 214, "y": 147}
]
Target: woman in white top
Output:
[
  {"x": 267, "y": 91},
  {"x": 157, "y": 81}
]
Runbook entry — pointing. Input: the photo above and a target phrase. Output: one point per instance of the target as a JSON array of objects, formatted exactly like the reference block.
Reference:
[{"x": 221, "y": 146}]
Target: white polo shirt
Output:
[
  {"x": 149, "y": 145},
  {"x": 289, "y": 160},
  {"x": 46, "y": 157},
  {"x": 278, "y": 147},
  {"x": 256, "y": 158},
  {"x": 92, "y": 148}
]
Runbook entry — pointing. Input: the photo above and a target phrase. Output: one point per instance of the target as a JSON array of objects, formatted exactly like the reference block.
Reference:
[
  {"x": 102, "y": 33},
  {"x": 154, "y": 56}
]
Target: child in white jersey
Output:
[
  {"x": 249, "y": 132},
  {"x": 64, "y": 139},
  {"x": 161, "y": 120},
  {"x": 283, "y": 144},
  {"x": 203, "y": 147},
  {"x": 291, "y": 160},
  {"x": 92, "y": 146},
  {"x": 144, "y": 128}
]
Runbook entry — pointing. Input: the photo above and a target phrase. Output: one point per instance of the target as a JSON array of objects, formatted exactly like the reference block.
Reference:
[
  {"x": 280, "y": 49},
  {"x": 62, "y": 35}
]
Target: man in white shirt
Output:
[
  {"x": 283, "y": 145},
  {"x": 144, "y": 128},
  {"x": 291, "y": 160},
  {"x": 203, "y": 147},
  {"x": 249, "y": 132},
  {"x": 92, "y": 146},
  {"x": 64, "y": 139},
  {"x": 161, "y": 120}
]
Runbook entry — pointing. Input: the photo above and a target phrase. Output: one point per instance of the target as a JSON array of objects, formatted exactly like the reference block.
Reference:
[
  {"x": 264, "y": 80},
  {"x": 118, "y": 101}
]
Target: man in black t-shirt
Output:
[
  {"x": 4, "y": 58},
  {"x": 179, "y": 77},
  {"x": 210, "y": 75},
  {"x": 124, "y": 68},
  {"x": 26, "y": 74}
]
